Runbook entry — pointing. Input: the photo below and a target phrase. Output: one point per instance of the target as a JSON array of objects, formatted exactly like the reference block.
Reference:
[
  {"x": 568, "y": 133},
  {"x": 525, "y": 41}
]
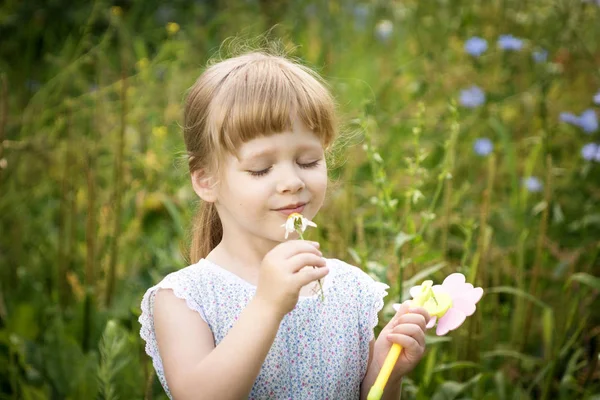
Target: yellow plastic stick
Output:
[
  {"x": 384, "y": 374},
  {"x": 437, "y": 307}
]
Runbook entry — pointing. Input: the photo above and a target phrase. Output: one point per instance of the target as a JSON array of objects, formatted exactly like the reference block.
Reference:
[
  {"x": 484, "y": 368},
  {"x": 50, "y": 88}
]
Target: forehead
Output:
[{"x": 298, "y": 139}]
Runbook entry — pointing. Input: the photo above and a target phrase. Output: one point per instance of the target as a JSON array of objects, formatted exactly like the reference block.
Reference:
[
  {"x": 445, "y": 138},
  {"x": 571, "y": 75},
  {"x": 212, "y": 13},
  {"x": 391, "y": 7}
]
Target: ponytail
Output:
[{"x": 207, "y": 232}]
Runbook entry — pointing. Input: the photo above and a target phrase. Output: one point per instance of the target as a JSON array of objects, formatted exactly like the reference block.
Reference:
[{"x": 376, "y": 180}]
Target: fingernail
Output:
[{"x": 316, "y": 244}]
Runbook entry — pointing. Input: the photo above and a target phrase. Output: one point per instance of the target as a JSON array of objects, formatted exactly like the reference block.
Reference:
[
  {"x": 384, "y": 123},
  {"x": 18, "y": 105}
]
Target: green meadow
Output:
[{"x": 469, "y": 142}]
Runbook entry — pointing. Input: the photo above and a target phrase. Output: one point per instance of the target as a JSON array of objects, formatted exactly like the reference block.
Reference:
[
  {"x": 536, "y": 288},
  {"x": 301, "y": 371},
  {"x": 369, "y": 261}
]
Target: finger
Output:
[
  {"x": 407, "y": 342},
  {"x": 401, "y": 309},
  {"x": 299, "y": 261},
  {"x": 422, "y": 311},
  {"x": 308, "y": 275},
  {"x": 411, "y": 330},
  {"x": 292, "y": 247},
  {"x": 413, "y": 318}
]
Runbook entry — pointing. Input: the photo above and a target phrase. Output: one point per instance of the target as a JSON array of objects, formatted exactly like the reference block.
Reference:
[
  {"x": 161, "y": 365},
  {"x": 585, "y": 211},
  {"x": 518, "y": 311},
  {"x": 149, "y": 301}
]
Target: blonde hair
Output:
[{"x": 241, "y": 98}]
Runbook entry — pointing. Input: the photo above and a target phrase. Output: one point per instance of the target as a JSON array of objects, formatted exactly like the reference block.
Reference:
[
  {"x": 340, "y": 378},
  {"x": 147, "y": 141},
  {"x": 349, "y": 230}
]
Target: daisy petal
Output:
[
  {"x": 431, "y": 322},
  {"x": 450, "y": 321}
]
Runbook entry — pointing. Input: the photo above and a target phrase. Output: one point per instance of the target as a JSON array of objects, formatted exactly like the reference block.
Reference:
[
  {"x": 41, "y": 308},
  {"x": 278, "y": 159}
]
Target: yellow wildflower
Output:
[{"x": 172, "y": 28}]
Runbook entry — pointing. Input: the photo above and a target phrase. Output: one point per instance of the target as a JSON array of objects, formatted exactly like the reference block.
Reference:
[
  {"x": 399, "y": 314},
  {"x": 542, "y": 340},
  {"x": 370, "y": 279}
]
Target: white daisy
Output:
[{"x": 297, "y": 223}]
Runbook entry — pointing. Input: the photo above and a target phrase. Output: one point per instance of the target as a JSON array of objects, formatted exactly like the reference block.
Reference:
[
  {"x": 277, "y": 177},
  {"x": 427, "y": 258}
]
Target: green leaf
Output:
[
  {"x": 401, "y": 239},
  {"x": 448, "y": 390},
  {"x": 508, "y": 146},
  {"x": 500, "y": 381},
  {"x": 586, "y": 279},
  {"x": 174, "y": 213},
  {"x": 517, "y": 292},
  {"x": 23, "y": 322},
  {"x": 355, "y": 257},
  {"x": 527, "y": 360},
  {"x": 434, "y": 339},
  {"x": 456, "y": 365},
  {"x": 421, "y": 275},
  {"x": 548, "y": 330},
  {"x": 33, "y": 393}
]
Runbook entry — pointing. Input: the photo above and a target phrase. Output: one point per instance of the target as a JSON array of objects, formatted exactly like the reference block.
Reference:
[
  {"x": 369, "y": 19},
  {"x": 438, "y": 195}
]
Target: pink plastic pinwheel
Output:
[
  {"x": 462, "y": 296},
  {"x": 449, "y": 304}
]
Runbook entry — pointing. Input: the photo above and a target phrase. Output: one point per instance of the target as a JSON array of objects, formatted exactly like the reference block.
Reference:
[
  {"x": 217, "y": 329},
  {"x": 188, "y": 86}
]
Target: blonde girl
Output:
[{"x": 243, "y": 321}]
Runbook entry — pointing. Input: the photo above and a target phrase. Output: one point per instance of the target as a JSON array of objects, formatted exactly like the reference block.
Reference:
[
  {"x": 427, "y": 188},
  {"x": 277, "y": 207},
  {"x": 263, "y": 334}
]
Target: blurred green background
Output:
[{"x": 472, "y": 145}]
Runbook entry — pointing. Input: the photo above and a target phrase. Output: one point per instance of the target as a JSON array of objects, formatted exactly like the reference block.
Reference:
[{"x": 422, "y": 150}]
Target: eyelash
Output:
[{"x": 265, "y": 171}]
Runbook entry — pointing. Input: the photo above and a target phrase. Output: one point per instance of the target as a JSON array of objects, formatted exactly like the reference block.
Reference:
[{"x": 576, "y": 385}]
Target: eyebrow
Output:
[{"x": 268, "y": 152}]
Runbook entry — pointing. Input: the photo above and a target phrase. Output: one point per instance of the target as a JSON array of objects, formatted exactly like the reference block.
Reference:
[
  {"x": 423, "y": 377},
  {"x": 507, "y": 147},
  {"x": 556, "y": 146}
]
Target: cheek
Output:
[
  {"x": 318, "y": 182},
  {"x": 251, "y": 192}
]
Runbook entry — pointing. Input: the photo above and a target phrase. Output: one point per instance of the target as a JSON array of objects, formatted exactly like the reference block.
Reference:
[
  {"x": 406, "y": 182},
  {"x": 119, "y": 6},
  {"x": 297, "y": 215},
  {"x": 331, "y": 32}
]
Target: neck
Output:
[{"x": 246, "y": 253}]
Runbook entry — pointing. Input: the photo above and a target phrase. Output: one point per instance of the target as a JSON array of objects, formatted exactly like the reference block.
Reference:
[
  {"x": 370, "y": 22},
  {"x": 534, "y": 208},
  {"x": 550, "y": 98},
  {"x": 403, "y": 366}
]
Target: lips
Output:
[{"x": 292, "y": 208}]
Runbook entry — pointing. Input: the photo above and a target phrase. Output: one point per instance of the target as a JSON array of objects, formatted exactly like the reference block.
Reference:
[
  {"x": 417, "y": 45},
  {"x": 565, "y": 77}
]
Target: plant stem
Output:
[
  {"x": 319, "y": 280},
  {"x": 539, "y": 249},
  {"x": 118, "y": 179}
]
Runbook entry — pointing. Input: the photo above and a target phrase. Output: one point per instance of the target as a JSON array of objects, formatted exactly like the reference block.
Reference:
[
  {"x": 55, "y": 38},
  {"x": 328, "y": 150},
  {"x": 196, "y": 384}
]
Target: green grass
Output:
[{"x": 96, "y": 200}]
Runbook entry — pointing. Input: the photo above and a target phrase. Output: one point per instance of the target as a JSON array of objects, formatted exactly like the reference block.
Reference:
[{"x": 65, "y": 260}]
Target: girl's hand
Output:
[
  {"x": 407, "y": 328},
  {"x": 283, "y": 273}
]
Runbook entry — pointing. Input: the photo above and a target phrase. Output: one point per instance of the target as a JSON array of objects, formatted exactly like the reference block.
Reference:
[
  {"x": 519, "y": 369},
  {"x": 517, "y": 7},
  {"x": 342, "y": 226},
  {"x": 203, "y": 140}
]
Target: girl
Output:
[{"x": 243, "y": 321}]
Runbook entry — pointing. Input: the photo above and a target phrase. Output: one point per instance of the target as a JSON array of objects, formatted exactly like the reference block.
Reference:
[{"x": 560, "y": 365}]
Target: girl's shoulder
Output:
[
  {"x": 196, "y": 273},
  {"x": 354, "y": 287},
  {"x": 344, "y": 270}
]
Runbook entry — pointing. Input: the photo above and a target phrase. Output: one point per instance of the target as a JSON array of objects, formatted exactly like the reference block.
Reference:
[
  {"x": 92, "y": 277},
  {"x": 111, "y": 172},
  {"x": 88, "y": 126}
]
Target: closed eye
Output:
[
  {"x": 309, "y": 165},
  {"x": 265, "y": 171},
  {"x": 260, "y": 173}
]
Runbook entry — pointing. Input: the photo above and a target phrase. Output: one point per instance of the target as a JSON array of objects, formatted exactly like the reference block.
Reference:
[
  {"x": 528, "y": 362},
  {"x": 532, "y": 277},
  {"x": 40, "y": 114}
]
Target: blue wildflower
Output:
[
  {"x": 476, "y": 46},
  {"x": 472, "y": 97},
  {"x": 533, "y": 184},
  {"x": 597, "y": 98},
  {"x": 384, "y": 30},
  {"x": 509, "y": 42},
  {"x": 361, "y": 13},
  {"x": 540, "y": 56},
  {"x": 590, "y": 152},
  {"x": 588, "y": 120},
  {"x": 483, "y": 146},
  {"x": 569, "y": 118}
]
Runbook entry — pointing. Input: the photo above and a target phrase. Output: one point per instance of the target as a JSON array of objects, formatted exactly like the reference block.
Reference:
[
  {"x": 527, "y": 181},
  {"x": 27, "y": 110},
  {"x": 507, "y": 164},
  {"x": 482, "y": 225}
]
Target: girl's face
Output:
[{"x": 273, "y": 177}]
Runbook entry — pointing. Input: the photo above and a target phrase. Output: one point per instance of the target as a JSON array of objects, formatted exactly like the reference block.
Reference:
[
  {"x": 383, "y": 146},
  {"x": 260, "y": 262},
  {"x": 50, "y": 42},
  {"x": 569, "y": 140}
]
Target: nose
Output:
[{"x": 289, "y": 181}]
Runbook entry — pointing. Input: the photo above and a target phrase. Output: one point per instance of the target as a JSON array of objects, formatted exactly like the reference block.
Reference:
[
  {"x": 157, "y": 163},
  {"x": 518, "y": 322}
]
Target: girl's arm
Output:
[
  {"x": 392, "y": 390},
  {"x": 194, "y": 367}
]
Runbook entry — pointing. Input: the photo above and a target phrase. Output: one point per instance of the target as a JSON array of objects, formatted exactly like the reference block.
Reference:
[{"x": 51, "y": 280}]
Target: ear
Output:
[{"x": 205, "y": 185}]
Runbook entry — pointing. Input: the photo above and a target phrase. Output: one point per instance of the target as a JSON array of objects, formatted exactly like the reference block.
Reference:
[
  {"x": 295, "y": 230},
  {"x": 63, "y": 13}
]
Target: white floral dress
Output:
[{"x": 322, "y": 347}]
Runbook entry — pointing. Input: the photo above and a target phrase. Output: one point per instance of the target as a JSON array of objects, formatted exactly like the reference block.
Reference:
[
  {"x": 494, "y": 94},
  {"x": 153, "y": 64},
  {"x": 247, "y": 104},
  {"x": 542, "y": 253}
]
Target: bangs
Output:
[{"x": 261, "y": 96}]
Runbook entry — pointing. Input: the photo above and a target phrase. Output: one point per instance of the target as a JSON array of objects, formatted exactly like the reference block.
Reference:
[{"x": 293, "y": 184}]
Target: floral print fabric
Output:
[{"x": 321, "y": 350}]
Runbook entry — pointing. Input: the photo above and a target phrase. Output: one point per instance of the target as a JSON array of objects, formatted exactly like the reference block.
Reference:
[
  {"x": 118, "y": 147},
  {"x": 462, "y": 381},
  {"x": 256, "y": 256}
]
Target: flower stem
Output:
[{"x": 319, "y": 280}]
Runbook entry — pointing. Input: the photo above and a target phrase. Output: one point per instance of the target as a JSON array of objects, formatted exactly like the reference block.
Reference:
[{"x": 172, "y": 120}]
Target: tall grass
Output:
[{"x": 95, "y": 200}]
